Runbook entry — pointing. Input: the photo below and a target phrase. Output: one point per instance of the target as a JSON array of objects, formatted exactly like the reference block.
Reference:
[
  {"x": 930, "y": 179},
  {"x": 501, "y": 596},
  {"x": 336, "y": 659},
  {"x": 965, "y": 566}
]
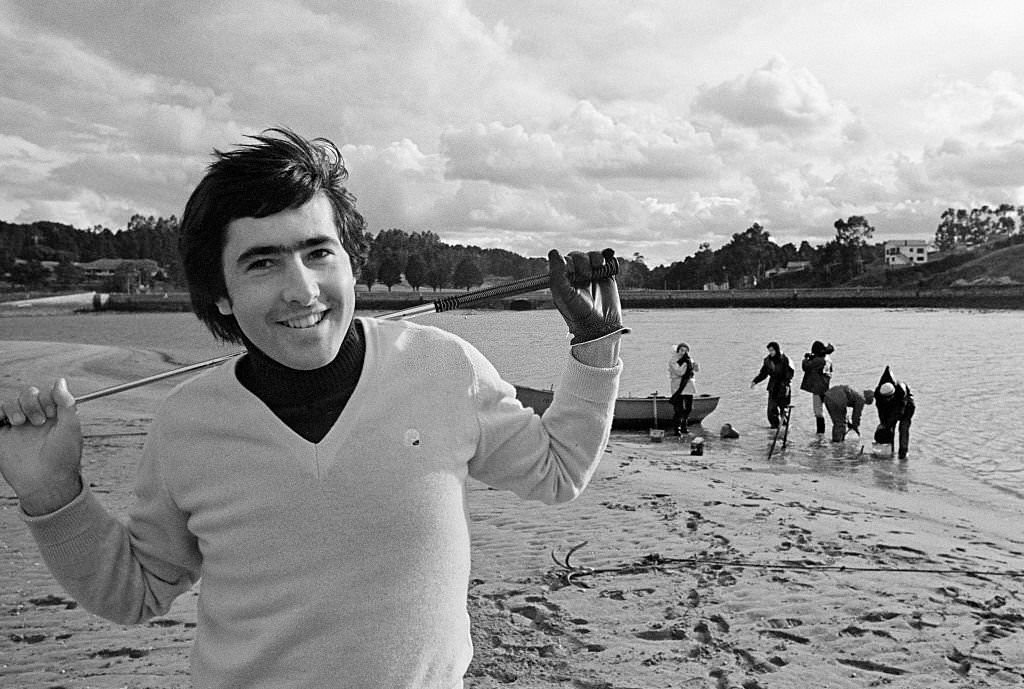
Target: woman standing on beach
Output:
[
  {"x": 817, "y": 365},
  {"x": 680, "y": 375}
]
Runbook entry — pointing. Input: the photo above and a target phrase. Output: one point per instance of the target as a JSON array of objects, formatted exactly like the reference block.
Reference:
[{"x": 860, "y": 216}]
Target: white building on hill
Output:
[{"x": 906, "y": 252}]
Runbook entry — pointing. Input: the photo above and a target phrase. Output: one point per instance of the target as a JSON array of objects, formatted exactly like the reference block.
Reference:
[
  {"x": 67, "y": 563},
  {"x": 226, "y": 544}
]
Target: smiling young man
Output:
[{"x": 316, "y": 486}]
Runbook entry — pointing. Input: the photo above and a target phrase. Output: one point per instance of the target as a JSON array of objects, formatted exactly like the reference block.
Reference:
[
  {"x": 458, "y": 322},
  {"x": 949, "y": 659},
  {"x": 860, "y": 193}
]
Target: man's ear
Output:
[{"x": 224, "y": 306}]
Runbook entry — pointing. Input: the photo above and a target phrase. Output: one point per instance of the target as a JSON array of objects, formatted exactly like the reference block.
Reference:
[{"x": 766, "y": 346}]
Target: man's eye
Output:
[
  {"x": 258, "y": 264},
  {"x": 320, "y": 254}
]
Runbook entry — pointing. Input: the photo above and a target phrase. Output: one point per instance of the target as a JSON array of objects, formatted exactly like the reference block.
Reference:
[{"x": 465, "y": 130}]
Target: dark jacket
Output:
[
  {"x": 817, "y": 369},
  {"x": 899, "y": 406},
  {"x": 779, "y": 372}
]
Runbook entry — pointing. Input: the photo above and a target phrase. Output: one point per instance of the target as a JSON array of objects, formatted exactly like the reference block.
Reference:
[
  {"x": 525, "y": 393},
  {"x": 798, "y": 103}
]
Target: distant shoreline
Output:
[{"x": 972, "y": 297}]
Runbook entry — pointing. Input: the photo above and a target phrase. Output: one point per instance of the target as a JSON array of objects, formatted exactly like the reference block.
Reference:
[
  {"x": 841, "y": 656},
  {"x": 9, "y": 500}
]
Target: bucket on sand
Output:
[{"x": 656, "y": 434}]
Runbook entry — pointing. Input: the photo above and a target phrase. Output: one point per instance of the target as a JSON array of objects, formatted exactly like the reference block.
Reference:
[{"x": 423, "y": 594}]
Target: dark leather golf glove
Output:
[{"x": 589, "y": 306}]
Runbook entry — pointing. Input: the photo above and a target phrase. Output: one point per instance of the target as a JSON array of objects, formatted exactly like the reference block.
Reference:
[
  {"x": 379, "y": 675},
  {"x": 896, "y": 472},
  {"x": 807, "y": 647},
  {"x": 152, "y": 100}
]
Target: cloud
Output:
[
  {"x": 973, "y": 112},
  {"x": 506, "y": 155},
  {"x": 586, "y": 143},
  {"x": 986, "y": 167},
  {"x": 529, "y": 125},
  {"x": 398, "y": 186},
  {"x": 777, "y": 99}
]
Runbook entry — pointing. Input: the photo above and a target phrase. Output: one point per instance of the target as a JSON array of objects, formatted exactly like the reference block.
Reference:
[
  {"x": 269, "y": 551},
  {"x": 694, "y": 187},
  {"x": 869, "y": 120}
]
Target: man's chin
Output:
[{"x": 306, "y": 358}]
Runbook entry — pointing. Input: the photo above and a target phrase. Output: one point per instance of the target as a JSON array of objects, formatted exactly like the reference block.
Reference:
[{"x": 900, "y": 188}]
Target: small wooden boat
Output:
[{"x": 631, "y": 413}]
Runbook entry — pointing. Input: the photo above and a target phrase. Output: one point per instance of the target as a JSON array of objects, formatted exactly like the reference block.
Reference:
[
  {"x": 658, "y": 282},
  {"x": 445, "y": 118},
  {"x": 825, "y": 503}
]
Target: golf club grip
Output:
[{"x": 508, "y": 289}]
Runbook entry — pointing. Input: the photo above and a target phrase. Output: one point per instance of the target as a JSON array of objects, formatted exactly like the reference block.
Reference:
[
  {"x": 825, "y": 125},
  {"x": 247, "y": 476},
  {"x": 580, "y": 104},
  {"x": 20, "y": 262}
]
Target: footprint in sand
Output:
[
  {"x": 672, "y": 633},
  {"x": 720, "y": 622},
  {"x": 879, "y": 616}
]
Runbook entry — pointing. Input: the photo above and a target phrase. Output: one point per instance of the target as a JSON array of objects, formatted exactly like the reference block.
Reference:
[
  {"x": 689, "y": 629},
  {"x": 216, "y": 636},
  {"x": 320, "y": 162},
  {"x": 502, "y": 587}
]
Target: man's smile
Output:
[{"x": 308, "y": 321}]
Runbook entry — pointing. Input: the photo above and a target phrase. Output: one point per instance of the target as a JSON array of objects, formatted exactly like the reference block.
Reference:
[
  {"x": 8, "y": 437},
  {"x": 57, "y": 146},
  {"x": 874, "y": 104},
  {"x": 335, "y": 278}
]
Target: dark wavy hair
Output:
[{"x": 278, "y": 171}]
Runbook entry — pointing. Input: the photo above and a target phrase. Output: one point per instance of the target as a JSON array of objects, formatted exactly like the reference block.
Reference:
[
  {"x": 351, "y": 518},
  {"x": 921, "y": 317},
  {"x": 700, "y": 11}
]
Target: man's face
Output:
[{"x": 290, "y": 284}]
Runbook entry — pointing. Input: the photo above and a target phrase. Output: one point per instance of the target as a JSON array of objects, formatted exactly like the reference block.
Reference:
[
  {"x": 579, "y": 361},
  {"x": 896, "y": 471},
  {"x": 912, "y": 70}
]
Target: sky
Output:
[{"x": 650, "y": 127}]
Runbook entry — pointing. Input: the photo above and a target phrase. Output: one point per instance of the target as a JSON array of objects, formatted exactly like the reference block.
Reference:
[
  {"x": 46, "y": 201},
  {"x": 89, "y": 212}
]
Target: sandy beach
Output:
[{"x": 693, "y": 572}]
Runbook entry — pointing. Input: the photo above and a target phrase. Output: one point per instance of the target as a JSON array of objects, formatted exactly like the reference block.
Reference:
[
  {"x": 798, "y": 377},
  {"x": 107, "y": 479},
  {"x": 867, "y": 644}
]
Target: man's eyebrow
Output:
[{"x": 278, "y": 249}]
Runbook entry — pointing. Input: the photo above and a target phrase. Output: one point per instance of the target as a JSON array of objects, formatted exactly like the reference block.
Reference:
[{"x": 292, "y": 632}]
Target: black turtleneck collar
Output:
[{"x": 309, "y": 402}]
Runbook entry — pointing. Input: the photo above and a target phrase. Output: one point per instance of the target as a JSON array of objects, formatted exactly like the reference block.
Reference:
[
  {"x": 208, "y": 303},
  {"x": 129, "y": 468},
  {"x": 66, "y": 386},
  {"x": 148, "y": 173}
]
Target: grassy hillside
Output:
[
  {"x": 1005, "y": 265},
  {"x": 1002, "y": 265}
]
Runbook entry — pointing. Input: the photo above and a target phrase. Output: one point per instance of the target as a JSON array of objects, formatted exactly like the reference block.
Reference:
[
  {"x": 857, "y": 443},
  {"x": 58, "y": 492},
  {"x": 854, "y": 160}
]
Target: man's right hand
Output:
[
  {"x": 590, "y": 308},
  {"x": 41, "y": 449}
]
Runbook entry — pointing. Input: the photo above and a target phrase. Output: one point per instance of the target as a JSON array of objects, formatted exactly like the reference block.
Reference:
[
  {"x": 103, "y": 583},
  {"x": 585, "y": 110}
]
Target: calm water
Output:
[{"x": 962, "y": 365}]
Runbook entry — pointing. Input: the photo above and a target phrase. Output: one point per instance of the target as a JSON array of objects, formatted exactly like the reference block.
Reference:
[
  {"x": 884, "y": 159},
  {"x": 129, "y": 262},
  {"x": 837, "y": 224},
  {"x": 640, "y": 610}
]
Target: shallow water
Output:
[{"x": 961, "y": 365}]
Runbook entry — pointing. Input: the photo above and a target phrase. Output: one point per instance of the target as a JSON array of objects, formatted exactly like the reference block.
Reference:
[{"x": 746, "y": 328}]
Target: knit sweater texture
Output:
[{"x": 342, "y": 563}]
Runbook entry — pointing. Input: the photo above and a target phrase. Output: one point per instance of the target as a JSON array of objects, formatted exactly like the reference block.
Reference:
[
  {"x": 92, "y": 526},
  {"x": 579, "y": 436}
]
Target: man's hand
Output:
[
  {"x": 590, "y": 308},
  {"x": 41, "y": 450}
]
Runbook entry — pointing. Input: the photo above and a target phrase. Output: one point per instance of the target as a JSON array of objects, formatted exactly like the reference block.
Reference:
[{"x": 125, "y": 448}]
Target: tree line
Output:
[
  {"x": 750, "y": 259},
  {"x": 421, "y": 258},
  {"x": 977, "y": 226}
]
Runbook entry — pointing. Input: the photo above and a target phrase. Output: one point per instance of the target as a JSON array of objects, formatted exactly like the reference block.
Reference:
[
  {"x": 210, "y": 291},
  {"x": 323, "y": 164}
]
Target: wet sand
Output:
[{"x": 693, "y": 573}]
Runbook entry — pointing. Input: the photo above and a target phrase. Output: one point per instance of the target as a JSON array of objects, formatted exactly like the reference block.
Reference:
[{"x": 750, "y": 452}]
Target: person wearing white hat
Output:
[{"x": 895, "y": 404}]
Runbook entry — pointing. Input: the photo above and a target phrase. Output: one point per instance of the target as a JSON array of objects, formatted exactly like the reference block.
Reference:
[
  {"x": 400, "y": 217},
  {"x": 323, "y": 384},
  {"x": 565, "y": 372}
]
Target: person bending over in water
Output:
[
  {"x": 895, "y": 404},
  {"x": 838, "y": 399}
]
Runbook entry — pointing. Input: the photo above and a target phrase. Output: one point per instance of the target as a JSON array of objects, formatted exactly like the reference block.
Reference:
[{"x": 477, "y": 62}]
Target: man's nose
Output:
[{"x": 302, "y": 285}]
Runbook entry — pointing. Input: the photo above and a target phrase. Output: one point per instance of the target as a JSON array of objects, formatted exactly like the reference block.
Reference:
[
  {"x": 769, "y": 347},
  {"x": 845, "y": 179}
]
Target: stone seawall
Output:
[{"x": 988, "y": 296}]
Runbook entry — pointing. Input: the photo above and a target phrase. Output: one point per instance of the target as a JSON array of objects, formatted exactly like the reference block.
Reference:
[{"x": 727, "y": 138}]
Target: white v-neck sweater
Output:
[{"x": 343, "y": 563}]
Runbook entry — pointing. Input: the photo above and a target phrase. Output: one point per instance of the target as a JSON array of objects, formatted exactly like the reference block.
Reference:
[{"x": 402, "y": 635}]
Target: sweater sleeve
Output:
[
  {"x": 128, "y": 571},
  {"x": 549, "y": 458}
]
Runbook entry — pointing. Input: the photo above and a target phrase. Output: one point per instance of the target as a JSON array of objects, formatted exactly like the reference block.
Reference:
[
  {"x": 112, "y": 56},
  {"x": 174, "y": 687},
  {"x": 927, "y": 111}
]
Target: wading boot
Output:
[{"x": 820, "y": 421}]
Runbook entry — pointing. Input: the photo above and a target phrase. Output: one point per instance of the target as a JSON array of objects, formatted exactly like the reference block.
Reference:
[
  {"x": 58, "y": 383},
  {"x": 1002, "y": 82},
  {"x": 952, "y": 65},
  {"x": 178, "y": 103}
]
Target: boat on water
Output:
[{"x": 631, "y": 413}]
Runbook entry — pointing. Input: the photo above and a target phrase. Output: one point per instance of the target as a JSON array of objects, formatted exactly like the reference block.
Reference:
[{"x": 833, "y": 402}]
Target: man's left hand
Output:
[{"x": 590, "y": 307}]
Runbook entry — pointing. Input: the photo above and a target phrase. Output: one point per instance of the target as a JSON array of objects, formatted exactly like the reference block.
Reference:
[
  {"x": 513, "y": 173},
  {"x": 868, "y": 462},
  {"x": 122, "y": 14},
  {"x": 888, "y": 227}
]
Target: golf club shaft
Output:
[{"x": 514, "y": 287}]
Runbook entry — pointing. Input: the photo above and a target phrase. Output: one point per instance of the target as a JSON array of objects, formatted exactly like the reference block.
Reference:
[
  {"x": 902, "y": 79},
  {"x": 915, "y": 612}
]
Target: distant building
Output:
[
  {"x": 123, "y": 274},
  {"x": 906, "y": 252},
  {"x": 790, "y": 267}
]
